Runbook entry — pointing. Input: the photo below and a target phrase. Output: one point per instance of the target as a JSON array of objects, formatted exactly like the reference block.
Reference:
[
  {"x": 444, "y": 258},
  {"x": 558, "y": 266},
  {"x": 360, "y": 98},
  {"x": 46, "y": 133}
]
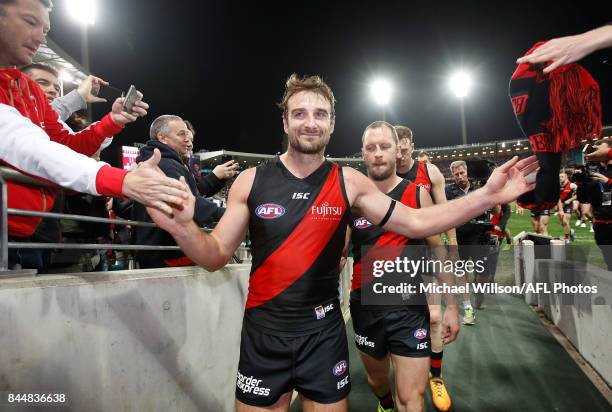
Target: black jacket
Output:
[
  {"x": 209, "y": 185},
  {"x": 205, "y": 210},
  {"x": 469, "y": 230}
]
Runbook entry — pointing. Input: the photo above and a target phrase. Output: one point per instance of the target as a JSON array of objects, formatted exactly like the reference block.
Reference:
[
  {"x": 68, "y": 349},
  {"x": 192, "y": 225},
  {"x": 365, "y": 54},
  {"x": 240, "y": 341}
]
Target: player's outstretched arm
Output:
[
  {"x": 211, "y": 251},
  {"x": 507, "y": 182}
]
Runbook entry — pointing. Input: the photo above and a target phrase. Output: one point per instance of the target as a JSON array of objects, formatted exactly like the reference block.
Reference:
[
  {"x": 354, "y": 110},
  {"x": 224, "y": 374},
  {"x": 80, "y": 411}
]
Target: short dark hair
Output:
[
  {"x": 403, "y": 132},
  {"x": 296, "y": 84},
  {"x": 379, "y": 124},
  {"x": 47, "y": 3},
  {"x": 40, "y": 66}
]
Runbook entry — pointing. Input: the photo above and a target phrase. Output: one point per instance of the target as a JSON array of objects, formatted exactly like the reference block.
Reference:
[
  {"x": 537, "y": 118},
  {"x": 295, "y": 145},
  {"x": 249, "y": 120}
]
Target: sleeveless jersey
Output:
[
  {"x": 566, "y": 192},
  {"x": 297, "y": 230},
  {"x": 495, "y": 219},
  {"x": 418, "y": 174},
  {"x": 364, "y": 234}
]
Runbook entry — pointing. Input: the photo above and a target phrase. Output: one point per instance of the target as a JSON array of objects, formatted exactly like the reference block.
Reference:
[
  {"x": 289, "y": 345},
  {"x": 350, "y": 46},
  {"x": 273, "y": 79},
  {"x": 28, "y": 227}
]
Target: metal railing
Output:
[
  {"x": 3, "y": 226},
  {"x": 15, "y": 176}
]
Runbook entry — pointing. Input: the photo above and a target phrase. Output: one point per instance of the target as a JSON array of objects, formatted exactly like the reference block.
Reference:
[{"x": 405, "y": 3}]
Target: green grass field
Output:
[
  {"x": 519, "y": 223},
  {"x": 583, "y": 248}
]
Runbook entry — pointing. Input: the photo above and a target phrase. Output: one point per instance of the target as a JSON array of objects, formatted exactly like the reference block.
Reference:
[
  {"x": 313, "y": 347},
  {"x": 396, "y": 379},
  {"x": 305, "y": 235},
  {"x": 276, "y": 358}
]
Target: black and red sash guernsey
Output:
[
  {"x": 297, "y": 229},
  {"x": 566, "y": 192},
  {"x": 365, "y": 236},
  {"x": 419, "y": 175}
]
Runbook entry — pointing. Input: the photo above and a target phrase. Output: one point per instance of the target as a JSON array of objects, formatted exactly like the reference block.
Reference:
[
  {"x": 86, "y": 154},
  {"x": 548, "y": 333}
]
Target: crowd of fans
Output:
[{"x": 65, "y": 142}]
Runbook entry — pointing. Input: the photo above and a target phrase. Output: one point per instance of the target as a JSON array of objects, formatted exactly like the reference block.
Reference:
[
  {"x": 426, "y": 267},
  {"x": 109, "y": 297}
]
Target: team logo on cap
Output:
[
  {"x": 340, "y": 368},
  {"x": 361, "y": 223},
  {"x": 420, "y": 333},
  {"x": 269, "y": 211}
]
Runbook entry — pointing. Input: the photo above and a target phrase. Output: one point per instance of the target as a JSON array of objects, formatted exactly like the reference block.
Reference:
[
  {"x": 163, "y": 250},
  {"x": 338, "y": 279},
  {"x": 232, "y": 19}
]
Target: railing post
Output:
[
  {"x": 3, "y": 227},
  {"x": 557, "y": 249},
  {"x": 529, "y": 266}
]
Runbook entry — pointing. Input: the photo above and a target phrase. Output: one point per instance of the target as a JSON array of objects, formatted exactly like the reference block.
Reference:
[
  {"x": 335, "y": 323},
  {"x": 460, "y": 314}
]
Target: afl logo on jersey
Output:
[
  {"x": 420, "y": 333},
  {"x": 361, "y": 223},
  {"x": 269, "y": 211},
  {"x": 340, "y": 368}
]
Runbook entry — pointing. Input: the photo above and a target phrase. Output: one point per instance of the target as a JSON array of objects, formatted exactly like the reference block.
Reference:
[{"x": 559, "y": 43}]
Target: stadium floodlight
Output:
[
  {"x": 83, "y": 11},
  {"x": 460, "y": 83},
  {"x": 381, "y": 93}
]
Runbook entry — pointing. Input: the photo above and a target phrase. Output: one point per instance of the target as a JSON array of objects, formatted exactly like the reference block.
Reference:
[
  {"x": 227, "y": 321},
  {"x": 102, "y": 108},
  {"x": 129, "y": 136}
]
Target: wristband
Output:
[{"x": 388, "y": 214}]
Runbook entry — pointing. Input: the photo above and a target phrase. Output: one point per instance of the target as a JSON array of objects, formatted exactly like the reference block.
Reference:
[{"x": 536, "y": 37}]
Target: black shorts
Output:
[
  {"x": 567, "y": 209},
  {"x": 403, "y": 332},
  {"x": 316, "y": 365},
  {"x": 538, "y": 213}
]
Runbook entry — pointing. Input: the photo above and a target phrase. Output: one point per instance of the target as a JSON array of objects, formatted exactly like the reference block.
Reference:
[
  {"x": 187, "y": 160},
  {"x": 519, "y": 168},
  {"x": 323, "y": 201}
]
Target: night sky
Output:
[{"x": 222, "y": 64}]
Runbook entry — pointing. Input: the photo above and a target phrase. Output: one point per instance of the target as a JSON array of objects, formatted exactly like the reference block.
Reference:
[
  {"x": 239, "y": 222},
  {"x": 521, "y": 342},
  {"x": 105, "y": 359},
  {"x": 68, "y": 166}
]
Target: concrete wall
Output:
[
  {"x": 146, "y": 340},
  {"x": 585, "y": 319}
]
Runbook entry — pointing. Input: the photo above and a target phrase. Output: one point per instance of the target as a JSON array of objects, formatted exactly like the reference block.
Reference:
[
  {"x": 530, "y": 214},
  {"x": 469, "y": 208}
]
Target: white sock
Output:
[{"x": 467, "y": 304}]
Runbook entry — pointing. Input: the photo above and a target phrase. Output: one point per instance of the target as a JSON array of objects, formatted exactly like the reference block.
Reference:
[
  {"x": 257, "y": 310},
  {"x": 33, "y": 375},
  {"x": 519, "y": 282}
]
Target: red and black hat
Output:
[{"x": 555, "y": 110}]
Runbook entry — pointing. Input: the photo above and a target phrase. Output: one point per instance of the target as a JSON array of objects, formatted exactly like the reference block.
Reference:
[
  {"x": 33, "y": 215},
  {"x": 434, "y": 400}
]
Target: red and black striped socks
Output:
[{"x": 436, "y": 364}]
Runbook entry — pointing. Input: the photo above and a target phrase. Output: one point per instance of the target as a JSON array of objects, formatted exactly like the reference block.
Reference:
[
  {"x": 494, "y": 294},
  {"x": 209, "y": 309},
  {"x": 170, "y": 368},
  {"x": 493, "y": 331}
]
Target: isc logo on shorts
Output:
[
  {"x": 420, "y": 333},
  {"x": 361, "y": 223},
  {"x": 342, "y": 383},
  {"x": 320, "y": 311},
  {"x": 340, "y": 368},
  {"x": 269, "y": 211}
]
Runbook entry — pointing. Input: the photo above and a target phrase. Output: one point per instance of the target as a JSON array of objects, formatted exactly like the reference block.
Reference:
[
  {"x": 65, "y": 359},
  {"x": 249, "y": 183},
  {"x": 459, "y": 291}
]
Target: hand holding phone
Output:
[
  {"x": 89, "y": 89},
  {"x": 95, "y": 89},
  {"x": 129, "y": 108},
  {"x": 600, "y": 153},
  {"x": 133, "y": 95}
]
